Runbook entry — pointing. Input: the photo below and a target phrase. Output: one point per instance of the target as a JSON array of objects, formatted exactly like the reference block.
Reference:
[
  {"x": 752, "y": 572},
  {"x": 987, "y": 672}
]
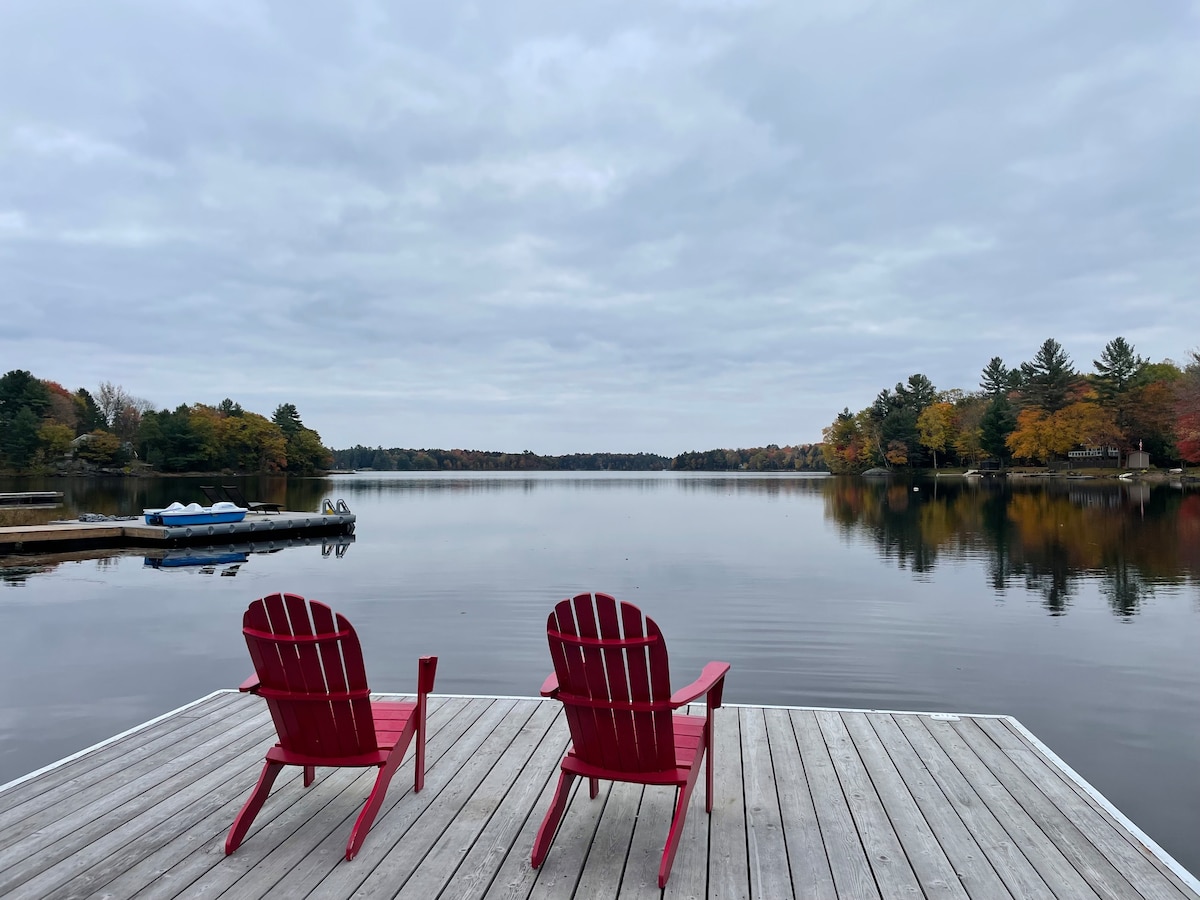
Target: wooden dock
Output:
[
  {"x": 32, "y": 499},
  {"x": 809, "y": 803},
  {"x": 136, "y": 533}
]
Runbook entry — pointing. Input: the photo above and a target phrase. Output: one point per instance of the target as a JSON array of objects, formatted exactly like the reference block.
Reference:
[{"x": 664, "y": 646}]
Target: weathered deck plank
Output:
[
  {"x": 809, "y": 863},
  {"x": 952, "y": 836},
  {"x": 728, "y": 862},
  {"x": 847, "y": 857},
  {"x": 1017, "y": 837},
  {"x": 809, "y": 803},
  {"x": 1095, "y": 852},
  {"x": 770, "y": 875},
  {"x": 1052, "y": 781}
]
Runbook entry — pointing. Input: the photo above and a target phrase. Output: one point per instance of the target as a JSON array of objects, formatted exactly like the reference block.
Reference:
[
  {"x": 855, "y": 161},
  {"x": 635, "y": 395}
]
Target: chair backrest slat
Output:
[
  {"x": 302, "y": 654},
  {"x": 616, "y": 673}
]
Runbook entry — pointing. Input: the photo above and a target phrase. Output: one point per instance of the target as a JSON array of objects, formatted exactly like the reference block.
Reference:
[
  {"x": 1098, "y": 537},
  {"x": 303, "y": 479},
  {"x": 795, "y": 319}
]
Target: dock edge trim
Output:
[
  {"x": 111, "y": 740},
  {"x": 1148, "y": 842}
]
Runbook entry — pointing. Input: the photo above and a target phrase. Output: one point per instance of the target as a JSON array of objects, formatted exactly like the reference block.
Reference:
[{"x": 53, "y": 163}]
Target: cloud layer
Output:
[{"x": 559, "y": 227}]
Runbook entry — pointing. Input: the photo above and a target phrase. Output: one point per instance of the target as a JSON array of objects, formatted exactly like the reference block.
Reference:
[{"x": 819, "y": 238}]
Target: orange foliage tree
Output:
[{"x": 1043, "y": 436}]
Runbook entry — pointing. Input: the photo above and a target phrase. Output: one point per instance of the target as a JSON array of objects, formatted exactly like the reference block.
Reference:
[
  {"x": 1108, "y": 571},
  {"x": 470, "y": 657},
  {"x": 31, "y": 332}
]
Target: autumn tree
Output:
[
  {"x": 1044, "y": 436},
  {"x": 844, "y": 446},
  {"x": 121, "y": 410},
  {"x": 252, "y": 443},
  {"x": 1187, "y": 408},
  {"x": 61, "y": 408},
  {"x": 1088, "y": 424},
  {"x": 1036, "y": 437},
  {"x": 102, "y": 448},
  {"x": 968, "y": 428},
  {"x": 935, "y": 425},
  {"x": 54, "y": 440}
]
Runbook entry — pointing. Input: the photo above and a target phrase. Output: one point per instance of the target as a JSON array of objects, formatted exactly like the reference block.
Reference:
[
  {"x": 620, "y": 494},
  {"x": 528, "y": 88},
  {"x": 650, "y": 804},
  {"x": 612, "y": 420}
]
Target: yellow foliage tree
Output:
[
  {"x": 55, "y": 440},
  {"x": 935, "y": 426}
]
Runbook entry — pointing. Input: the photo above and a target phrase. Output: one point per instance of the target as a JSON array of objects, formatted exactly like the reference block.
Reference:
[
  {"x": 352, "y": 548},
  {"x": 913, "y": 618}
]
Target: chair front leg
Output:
[
  {"x": 367, "y": 817},
  {"x": 545, "y": 835},
  {"x": 681, "y": 805},
  {"x": 245, "y": 818}
]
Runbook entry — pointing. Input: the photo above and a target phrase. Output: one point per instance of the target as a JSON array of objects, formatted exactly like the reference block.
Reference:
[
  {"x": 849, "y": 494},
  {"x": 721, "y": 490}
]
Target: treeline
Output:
[
  {"x": 43, "y": 427},
  {"x": 400, "y": 460},
  {"x": 1037, "y": 411},
  {"x": 772, "y": 458}
]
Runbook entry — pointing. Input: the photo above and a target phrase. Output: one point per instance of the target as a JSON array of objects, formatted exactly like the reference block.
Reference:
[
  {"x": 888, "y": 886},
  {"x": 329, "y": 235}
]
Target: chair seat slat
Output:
[{"x": 622, "y": 705}]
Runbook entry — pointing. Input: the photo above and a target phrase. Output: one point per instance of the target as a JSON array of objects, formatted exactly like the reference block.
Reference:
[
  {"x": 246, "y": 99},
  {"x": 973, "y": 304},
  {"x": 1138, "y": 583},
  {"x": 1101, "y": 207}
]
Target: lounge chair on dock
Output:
[
  {"x": 231, "y": 493},
  {"x": 611, "y": 674},
  {"x": 234, "y": 494},
  {"x": 309, "y": 668}
]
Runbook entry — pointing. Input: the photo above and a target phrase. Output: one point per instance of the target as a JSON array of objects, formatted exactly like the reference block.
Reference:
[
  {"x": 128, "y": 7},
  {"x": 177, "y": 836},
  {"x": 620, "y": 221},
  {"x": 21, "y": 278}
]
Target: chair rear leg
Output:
[
  {"x": 310, "y": 774},
  {"x": 708, "y": 767},
  {"x": 545, "y": 835},
  {"x": 426, "y": 672},
  {"x": 593, "y": 788},
  {"x": 253, "y": 804}
]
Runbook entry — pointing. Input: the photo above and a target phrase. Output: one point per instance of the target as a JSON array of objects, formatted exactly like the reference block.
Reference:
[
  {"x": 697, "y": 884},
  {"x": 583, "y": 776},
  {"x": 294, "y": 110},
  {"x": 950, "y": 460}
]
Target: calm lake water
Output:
[{"x": 1074, "y": 606}]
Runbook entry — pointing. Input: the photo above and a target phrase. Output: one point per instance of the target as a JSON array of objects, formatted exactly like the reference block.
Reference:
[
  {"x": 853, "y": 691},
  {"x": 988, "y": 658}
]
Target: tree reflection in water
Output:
[{"x": 1048, "y": 535}]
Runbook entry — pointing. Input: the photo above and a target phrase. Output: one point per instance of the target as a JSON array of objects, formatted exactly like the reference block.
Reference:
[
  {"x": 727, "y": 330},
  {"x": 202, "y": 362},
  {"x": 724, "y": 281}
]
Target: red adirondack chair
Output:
[
  {"x": 610, "y": 672},
  {"x": 309, "y": 668}
]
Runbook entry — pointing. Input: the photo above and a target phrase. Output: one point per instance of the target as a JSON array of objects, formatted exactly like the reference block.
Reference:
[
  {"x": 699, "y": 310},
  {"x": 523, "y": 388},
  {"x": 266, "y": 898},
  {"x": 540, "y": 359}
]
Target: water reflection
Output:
[
  {"x": 116, "y": 496},
  {"x": 226, "y": 560},
  {"x": 1047, "y": 537}
]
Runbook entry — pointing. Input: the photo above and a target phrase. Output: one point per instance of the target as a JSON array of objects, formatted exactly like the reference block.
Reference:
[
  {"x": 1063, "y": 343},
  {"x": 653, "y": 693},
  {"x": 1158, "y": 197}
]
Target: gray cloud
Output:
[{"x": 564, "y": 227}]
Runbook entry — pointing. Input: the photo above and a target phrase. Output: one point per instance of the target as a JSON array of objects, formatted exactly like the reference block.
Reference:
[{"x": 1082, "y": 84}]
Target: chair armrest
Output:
[
  {"x": 550, "y": 685},
  {"x": 426, "y": 672},
  {"x": 250, "y": 685},
  {"x": 712, "y": 679}
]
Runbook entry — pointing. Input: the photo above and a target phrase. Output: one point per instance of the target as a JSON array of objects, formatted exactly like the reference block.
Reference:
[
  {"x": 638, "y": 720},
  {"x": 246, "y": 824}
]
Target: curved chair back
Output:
[
  {"x": 611, "y": 665},
  {"x": 310, "y": 668}
]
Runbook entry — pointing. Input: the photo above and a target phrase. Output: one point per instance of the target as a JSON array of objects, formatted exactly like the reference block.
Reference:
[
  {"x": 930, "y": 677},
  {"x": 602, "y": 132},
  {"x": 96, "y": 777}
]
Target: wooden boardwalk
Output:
[
  {"x": 134, "y": 532},
  {"x": 810, "y": 803}
]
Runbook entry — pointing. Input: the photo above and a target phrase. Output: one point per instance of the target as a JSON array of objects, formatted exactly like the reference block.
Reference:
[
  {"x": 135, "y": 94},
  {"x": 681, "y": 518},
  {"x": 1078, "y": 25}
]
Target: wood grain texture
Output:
[{"x": 808, "y": 803}]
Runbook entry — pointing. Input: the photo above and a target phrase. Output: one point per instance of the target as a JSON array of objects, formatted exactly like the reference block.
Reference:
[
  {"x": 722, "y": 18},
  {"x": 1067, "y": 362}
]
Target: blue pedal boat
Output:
[{"x": 194, "y": 514}]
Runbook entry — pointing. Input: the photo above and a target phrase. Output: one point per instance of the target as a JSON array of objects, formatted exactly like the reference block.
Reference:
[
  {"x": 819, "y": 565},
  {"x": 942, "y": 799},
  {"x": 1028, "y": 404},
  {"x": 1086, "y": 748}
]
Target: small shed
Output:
[{"x": 1137, "y": 459}]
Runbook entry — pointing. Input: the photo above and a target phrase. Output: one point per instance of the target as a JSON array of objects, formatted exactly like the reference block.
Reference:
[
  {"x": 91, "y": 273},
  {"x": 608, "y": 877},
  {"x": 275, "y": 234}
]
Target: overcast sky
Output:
[{"x": 604, "y": 226}]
